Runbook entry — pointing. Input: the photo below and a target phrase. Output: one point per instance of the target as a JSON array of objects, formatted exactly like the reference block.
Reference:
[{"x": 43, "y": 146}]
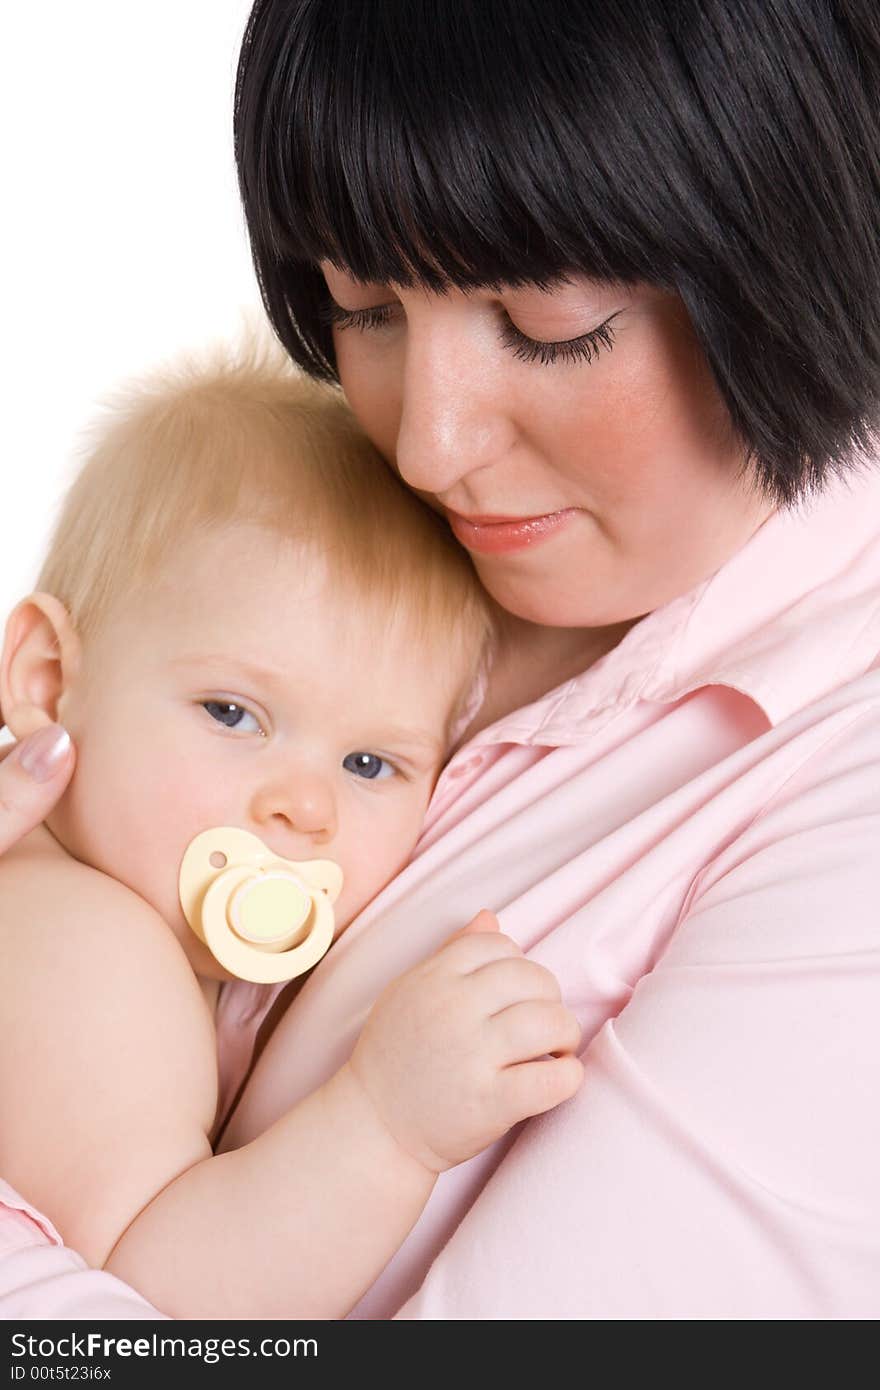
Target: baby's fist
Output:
[{"x": 466, "y": 1044}]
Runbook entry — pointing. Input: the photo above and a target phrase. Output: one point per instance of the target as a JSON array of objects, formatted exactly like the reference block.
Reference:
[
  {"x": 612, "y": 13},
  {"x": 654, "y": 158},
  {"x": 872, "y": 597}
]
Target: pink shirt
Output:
[{"x": 688, "y": 835}]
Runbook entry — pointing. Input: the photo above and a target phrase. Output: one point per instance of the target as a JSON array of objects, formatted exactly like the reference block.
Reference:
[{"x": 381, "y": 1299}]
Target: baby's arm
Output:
[
  {"x": 302, "y": 1220},
  {"x": 107, "y": 1087},
  {"x": 108, "y": 1077}
]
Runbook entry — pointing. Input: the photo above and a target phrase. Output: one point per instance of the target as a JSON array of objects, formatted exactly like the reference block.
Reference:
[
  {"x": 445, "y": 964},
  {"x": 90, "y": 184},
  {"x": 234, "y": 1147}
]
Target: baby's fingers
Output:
[
  {"x": 32, "y": 777},
  {"x": 532, "y": 1029},
  {"x": 484, "y": 921},
  {"x": 465, "y": 953},
  {"x": 533, "y": 1087},
  {"x": 512, "y": 980}
]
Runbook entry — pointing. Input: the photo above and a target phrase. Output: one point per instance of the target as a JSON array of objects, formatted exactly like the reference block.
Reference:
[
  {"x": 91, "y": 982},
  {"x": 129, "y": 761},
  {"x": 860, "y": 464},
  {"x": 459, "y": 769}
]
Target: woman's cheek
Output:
[{"x": 373, "y": 389}]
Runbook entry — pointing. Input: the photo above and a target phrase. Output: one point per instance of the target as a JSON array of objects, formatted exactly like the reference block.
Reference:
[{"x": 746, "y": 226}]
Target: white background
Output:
[{"x": 121, "y": 238}]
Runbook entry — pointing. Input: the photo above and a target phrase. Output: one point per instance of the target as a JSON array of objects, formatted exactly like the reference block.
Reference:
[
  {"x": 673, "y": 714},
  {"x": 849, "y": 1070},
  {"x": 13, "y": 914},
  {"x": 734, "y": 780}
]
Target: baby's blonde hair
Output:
[{"x": 242, "y": 436}]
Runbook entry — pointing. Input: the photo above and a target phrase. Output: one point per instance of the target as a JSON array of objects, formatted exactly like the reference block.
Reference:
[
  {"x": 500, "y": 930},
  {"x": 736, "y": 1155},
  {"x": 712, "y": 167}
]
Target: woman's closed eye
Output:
[
  {"x": 369, "y": 766},
  {"x": 545, "y": 352},
  {"x": 581, "y": 349},
  {"x": 233, "y": 716}
]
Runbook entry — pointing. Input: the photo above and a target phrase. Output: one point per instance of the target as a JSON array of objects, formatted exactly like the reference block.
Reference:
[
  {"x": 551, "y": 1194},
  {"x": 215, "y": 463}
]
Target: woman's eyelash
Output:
[
  {"x": 334, "y": 314},
  {"x": 525, "y": 349},
  {"x": 582, "y": 349}
]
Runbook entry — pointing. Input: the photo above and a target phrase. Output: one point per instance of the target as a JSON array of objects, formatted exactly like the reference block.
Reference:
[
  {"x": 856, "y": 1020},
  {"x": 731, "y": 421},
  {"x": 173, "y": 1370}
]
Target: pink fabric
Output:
[
  {"x": 687, "y": 835},
  {"x": 238, "y": 1024}
]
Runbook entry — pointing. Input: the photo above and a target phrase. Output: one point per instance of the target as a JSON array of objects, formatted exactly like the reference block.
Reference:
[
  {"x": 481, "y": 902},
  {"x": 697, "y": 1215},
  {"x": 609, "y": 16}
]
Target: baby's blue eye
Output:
[
  {"x": 368, "y": 765},
  {"x": 231, "y": 715}
]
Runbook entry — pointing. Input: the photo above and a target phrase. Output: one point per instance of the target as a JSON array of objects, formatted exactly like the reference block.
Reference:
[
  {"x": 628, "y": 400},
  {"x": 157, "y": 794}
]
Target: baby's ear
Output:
[{"x": 41, "y": 659}]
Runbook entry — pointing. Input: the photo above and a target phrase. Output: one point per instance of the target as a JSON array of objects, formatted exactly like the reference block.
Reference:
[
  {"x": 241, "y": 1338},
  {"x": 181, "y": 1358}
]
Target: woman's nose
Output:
[
  {"x": 301, "y": 804},
  {"x": 454, "y": 418}
]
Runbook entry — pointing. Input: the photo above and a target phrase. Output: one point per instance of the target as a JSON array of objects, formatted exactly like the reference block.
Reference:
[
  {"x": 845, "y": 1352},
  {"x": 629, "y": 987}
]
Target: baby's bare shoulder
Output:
[
  {"x": 53, "y": 907},
  {"x": 72, "y": 938},
  {"x": 76, "y": 943}
]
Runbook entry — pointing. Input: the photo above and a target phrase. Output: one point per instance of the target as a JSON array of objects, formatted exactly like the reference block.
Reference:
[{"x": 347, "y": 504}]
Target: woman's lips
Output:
[{"x": 496, "y": 534}]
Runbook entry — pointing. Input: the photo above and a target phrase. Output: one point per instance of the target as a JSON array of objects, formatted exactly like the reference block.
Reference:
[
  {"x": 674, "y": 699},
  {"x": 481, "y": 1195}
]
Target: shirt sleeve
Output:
[{"x": 721, "y": 1158}]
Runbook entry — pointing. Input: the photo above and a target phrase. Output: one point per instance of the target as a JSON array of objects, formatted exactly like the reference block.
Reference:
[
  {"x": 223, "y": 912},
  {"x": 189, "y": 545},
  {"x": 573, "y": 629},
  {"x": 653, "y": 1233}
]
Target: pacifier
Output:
[{"x": 265, "y": 919}]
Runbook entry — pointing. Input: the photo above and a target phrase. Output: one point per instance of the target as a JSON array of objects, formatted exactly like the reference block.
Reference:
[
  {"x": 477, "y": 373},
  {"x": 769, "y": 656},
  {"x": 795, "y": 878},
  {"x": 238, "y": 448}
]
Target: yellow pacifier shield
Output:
[{"x": 263, "y": 918}]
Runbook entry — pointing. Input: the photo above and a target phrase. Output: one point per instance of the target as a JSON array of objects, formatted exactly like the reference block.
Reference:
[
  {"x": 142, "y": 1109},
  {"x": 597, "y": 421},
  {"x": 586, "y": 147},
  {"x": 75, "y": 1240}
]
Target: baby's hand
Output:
[{"x": 454, "y": 1052}]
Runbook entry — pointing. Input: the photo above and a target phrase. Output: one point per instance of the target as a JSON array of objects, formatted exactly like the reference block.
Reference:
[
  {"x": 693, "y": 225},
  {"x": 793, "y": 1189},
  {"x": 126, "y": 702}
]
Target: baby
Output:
[{"x": 245, "y": 622}]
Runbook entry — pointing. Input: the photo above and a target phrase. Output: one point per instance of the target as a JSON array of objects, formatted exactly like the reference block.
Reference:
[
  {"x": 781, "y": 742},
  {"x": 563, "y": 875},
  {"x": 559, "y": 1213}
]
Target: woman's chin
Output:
[{"x": 551, "y": 604}]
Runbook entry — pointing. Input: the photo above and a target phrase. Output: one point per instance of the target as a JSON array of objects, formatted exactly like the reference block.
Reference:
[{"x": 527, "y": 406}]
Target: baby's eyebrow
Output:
[
  {"x": 253, "y": 671},
  {"x": 413, "y": 738}
]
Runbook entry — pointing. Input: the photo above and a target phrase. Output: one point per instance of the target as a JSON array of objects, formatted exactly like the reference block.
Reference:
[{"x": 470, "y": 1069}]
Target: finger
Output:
[
  {"x": 533, "y": 1029},
  {"x": 483, "y": 922},
  {"x": 32, "y": 778},
  {"x": 531, "y": 1088},
  {"x": 467, "y": 953},
  {"x": 512, "y": 980}
]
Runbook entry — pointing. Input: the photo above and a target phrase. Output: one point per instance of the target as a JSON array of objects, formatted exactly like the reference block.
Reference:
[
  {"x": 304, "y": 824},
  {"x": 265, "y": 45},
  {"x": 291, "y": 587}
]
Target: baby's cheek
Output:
[
  {"x": 123, "y": 816},
  {"x": 87, "y": 818},
  {"x": 382, "y": 848}
]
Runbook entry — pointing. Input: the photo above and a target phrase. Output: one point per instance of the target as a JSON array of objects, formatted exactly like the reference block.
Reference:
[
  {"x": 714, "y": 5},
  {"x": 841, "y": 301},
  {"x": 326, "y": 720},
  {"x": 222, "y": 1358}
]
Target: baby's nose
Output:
[{"x": 303, "y": 803}]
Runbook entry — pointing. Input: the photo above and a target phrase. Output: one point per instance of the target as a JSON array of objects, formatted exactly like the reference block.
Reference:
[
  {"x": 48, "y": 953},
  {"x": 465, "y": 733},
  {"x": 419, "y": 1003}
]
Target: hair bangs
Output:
[{"x": 389, "y": 145}]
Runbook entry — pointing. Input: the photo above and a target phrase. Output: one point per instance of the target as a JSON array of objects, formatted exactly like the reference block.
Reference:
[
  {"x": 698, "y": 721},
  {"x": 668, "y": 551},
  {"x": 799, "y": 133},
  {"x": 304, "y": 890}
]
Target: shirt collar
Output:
[{"x": 792, "y": 615}]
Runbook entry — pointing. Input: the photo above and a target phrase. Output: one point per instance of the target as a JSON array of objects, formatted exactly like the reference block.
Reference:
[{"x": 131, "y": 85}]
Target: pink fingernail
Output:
[{"x": 40, "y": 754}]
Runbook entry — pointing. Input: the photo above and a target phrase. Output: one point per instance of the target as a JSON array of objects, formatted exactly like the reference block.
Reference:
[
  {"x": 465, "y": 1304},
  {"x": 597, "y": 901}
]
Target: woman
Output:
[{"x": 603, "y": 284}]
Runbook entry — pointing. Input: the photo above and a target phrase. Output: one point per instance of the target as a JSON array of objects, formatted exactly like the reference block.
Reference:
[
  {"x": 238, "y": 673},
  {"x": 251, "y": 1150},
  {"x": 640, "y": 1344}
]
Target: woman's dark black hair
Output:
[{"x": 725, "y": 149}]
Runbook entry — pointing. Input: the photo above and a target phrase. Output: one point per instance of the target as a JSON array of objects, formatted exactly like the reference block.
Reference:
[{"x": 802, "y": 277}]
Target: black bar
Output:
[{"x": 129, "y": 1355}]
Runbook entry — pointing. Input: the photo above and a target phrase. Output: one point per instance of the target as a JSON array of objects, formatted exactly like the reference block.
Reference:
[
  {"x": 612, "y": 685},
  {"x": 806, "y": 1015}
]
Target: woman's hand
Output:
[
  {"x": 455, "y": 1051},
  {"x": 33, "y": 775}
]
